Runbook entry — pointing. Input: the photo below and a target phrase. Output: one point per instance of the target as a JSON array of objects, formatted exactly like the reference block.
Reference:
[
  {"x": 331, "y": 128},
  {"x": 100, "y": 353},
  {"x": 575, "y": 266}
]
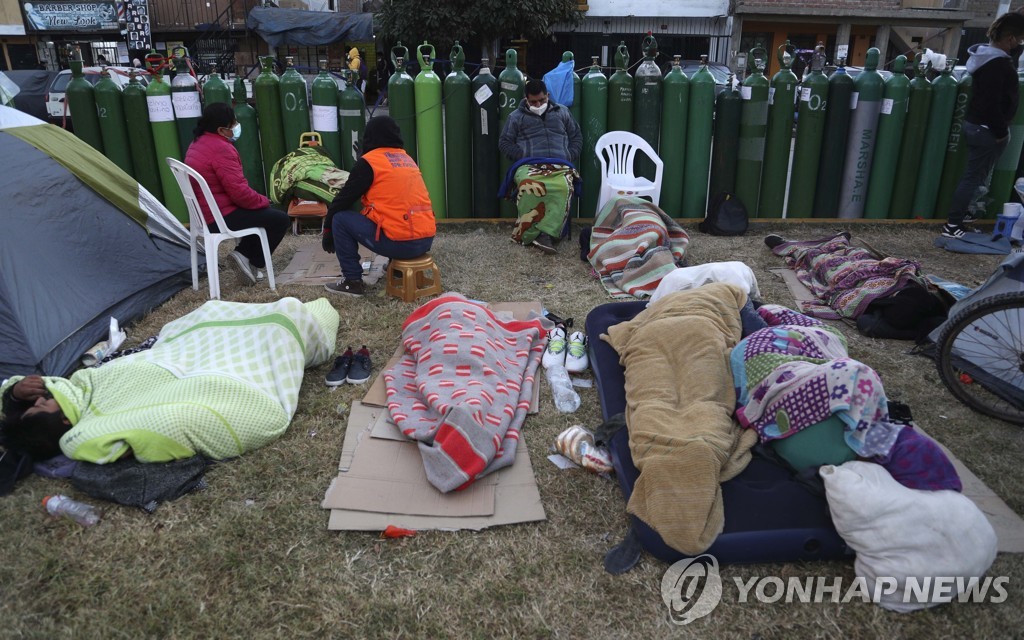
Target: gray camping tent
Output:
[{"x": 80, "y": 242}]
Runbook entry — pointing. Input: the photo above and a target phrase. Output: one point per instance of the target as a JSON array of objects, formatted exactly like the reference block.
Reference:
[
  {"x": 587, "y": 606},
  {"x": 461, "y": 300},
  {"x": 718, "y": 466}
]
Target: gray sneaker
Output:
[
  {"x": 545, "y": 243},
  {"x": 243, "y": 267}
]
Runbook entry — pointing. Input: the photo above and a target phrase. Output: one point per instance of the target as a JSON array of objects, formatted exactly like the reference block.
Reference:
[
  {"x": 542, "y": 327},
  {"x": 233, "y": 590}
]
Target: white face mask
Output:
[
  {"x": 539, "y": 110},
  {"x": 236, "y": 131}
]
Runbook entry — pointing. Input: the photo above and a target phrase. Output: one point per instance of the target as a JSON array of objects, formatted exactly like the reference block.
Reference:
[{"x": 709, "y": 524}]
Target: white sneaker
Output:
[
  {"x": 577, "y": 360},
  {"x": 555, "y": 353},
  {"x": 243, "y": 266}
]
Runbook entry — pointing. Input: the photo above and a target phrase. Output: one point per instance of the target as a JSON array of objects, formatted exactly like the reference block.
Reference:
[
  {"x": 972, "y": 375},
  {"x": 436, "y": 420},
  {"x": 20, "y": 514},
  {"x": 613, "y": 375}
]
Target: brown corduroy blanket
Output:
[{"x": 679, "y": 405}]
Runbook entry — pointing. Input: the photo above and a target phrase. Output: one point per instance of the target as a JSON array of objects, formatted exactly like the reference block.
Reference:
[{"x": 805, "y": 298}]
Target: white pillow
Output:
[
  {"x": 902, "y": 533},
  {"x": 684, "y": 278}
]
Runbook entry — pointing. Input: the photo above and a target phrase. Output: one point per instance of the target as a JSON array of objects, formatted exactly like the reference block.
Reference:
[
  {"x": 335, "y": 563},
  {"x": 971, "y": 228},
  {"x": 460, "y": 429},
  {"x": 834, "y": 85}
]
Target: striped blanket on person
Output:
[{"x": 633, "y": 245}]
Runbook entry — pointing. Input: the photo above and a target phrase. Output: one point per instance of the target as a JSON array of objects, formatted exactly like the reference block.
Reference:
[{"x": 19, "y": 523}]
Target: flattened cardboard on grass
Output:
[
  {"x": 516, "y": 499},
  {"x": 312, "y": 265},
  {"x": 375, "y": 473},
  {"x": 377, "y": 397}
]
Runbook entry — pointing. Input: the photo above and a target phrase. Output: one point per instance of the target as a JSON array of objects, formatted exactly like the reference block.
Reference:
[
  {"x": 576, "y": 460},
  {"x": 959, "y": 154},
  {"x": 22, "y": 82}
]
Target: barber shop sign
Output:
[{"x": 70, "y": 16}]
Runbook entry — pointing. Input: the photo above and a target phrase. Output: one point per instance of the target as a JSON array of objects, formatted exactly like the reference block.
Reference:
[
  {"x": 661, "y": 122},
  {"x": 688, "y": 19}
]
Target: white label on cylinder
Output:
[
  {"x": 160, "y": 108},
  {"x": 186, "y": 104},
  {"x": 483, "y": 121},
  {"x": 482, "y": 94},
  {"x": 745, "y": 93},
  {"x": 854, "y": 98},
  {"x": 771, "y": 95},
  {"x": 324, "y": 118},
  {"x": 350, "y": 113},
  {"x": 805, "y": 94},
  {"x": 509, "y": 86},
  {"x": 887, "y": 106}
]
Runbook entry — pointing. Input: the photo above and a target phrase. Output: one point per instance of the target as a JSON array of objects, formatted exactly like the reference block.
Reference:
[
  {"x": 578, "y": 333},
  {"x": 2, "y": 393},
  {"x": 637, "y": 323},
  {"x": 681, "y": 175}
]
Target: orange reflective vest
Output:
[{"x": 398, "y": 201}]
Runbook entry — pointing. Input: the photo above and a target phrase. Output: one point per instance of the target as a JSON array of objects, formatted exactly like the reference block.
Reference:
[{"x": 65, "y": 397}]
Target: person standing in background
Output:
[{"x": 992, "y": 107}]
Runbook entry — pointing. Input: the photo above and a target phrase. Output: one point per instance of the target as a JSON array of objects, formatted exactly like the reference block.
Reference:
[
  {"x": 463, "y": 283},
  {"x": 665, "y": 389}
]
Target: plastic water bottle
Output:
[
  {"x": 566, "y": 398},
  {"x": 82, "y": 513}
]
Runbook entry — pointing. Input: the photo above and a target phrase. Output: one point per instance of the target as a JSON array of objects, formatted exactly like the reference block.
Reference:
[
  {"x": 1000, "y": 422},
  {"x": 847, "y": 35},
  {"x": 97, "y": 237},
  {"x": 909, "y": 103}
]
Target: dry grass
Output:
[{"x": 251, "y": 556}]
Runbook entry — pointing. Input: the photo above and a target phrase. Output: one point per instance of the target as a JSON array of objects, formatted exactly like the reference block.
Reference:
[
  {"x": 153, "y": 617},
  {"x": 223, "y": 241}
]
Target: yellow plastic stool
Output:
[{"x": 411, "y": 279}]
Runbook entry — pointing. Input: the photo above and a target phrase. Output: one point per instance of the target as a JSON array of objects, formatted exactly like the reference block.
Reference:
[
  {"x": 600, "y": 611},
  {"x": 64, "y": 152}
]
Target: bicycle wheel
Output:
[{"x": 980, "y": 356}]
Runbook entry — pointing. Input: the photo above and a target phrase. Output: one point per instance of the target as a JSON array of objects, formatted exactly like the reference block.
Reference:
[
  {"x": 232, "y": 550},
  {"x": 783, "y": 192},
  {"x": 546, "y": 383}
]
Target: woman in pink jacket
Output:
[{"x": 214, "y": 156}]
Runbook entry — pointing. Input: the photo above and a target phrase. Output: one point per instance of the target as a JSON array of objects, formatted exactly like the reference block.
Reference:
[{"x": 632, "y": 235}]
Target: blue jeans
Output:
[
  {"x": 351, "y": 229},
  {"x": 983, "y": 150}
]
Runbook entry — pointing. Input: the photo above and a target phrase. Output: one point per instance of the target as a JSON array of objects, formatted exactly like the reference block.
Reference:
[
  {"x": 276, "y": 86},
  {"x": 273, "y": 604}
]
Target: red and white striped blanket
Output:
[{"x": 463, "y": 387}]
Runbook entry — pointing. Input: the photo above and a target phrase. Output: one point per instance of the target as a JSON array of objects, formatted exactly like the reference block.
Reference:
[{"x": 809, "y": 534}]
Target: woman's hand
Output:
[{"x": 29, "y": 389}]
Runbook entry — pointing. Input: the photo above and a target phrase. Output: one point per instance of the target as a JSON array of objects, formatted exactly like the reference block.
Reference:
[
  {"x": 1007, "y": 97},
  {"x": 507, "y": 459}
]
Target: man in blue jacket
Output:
[
  {"x": 992, "y": 107},
  {"x": 544, "y": 142}
]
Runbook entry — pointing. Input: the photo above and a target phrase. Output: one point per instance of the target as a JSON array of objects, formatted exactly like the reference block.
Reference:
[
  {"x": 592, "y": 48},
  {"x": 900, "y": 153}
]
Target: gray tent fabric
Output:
[
  {"x": 309, "y": 28},
  {"x": 69, "y": 260},
  {"x": 977, "y": 243}
]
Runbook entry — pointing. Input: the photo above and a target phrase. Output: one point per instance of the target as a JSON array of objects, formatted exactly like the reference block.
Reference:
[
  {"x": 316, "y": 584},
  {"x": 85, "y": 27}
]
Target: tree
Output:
[{"x": 442, "y": 22}]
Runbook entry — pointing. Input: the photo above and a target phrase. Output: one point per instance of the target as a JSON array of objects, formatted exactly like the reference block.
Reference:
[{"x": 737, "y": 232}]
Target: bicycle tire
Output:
[{"x": 992, "y": 332}]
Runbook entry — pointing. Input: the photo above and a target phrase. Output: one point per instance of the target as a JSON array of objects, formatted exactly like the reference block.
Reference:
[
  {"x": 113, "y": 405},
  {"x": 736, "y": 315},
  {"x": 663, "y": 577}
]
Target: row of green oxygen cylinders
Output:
[
  {"x": 136, "y": 128},
  {"x": 854, "y": 137},
  {"x": 452, "y": 127}
]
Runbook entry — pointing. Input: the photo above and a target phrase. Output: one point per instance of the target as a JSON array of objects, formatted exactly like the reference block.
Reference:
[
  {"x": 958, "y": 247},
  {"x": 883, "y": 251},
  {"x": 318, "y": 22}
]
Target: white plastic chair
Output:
[
  {"x": 617, "y": 170},
  {"x": 211, "y": 241}
]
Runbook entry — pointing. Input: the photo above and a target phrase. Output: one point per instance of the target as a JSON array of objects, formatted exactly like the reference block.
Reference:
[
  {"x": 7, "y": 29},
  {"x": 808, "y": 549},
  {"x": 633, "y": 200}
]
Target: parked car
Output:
[
  {"x": 32, "y": 85},
  {"x": 719, "y": 71},
  {"x": 55, "y": 94}
]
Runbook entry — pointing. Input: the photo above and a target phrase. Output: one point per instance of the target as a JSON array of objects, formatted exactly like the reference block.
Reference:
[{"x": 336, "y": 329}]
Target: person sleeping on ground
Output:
[{"x": 220, "y": 381}]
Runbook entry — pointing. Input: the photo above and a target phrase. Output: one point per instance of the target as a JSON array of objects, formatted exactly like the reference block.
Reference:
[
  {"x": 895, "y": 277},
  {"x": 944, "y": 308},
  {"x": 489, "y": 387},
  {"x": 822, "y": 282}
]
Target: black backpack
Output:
[{"x": 726, "y": 216}]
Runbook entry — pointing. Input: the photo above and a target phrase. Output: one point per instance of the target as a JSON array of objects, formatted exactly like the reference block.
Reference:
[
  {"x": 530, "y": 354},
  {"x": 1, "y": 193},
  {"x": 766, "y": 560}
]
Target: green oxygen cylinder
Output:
[
  {"x": 136, "y": 116},
  {"x": 187, "y": 106},
  {"x": 595, "y": 125},
  {"x": 110, "y": 112},
  {"x": 1005, "y": 170},
  {"x": 675, "y": 90},
  {"x": 458, "y": 100},
  {"x": 266, "y": 89},
  {"x": 779, "y": 138},
  {"x": 753, "y": 128},
  {"x": 351, "y": 119},
  {"x": 511, "y": 88},
  {"x": 647, "y": 108},
  {"x": 933, "y": 154},
  {"x": 248, "y": 144},
  {"x": 833, "y": 143},
  {"x": 294, "y": 106},
  {"x": 887, "y": 149},
  {"x": 429, "y": 131},
  {"x": 699, "y": 125},
  {"x": 956, "y": 148},
  {"x": 576, "y": 108},
  {"x": 215, "y": 89},
  {"x": 165, "y": 140},
  {"x": 325, "y": 112},
  {"x": 726, "y": 140},
  {"x": 620, "y": 93},
  {"x": 810, "y": 127},
  {"x": 913, "y": 140},
  {"x": 82, "y": 107},
  {"x": 866, "y": 104},
  {"x": 485, "y": 142},
  {"x": 401, "y": 99}
]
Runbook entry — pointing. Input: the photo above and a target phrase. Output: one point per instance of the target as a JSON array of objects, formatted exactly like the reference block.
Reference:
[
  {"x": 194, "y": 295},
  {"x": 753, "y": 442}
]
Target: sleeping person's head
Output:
[{"x": 37, "y": 431}]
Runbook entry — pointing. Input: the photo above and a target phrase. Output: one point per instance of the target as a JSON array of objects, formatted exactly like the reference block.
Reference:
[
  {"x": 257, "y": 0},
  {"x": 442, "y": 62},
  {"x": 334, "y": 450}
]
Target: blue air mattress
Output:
[{"x": 769, "y": 515}]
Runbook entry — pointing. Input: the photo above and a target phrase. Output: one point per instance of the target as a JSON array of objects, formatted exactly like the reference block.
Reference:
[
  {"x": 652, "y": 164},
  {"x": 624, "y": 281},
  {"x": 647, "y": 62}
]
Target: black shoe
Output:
[
  {"x": 361, "y": 367},
  {"x": 545, "y": 243},
  {"x": 952, "y": 231},
  {"x": 773, "y": 240},
  {"x": 342, "y": 365},
  {"x": 347, "y": 287},
  {"x": 969, "y": 218}
]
